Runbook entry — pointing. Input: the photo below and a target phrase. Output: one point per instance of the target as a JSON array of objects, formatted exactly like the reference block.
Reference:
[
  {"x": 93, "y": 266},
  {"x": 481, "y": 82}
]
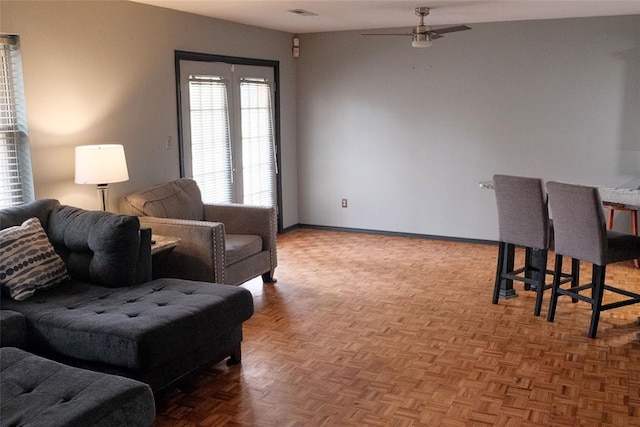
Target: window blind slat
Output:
[{"x": 16, "y": 181}]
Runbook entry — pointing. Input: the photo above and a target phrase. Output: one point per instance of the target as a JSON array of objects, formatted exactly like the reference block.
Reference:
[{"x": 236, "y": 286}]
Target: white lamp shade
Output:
[{"x": 101, "y": 164}]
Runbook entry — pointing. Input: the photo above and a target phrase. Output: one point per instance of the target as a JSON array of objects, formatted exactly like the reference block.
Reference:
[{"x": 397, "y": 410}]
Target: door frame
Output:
[{"x": 181, "y": 55}]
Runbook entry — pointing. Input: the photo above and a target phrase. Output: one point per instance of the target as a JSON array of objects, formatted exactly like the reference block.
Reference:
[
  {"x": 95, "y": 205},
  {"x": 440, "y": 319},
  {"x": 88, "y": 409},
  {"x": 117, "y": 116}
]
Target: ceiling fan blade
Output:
[
  {"x": 450, "y": 29},
  {"x": 435, "y": 36},
  {"x": 386, "y": 34}
]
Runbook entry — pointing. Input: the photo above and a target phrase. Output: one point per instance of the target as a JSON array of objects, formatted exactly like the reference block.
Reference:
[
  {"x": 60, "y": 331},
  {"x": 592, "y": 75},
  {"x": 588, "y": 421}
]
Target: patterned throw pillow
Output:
[{"x": 28, "y": 261}]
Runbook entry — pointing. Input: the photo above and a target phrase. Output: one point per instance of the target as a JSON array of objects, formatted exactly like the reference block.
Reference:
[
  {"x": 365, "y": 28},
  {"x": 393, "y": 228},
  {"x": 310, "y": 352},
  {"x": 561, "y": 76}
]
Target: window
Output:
[
  {"x": 228, "y": 128},
  {"x": 16, "y": 181},
  {"x": 257, "y": 142},
  {"x": 210, "y": 144}
]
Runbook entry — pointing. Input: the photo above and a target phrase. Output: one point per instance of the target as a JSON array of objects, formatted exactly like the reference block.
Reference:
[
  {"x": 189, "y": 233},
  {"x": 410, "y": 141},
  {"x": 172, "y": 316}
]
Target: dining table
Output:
[{"x": 613, "y": 199}]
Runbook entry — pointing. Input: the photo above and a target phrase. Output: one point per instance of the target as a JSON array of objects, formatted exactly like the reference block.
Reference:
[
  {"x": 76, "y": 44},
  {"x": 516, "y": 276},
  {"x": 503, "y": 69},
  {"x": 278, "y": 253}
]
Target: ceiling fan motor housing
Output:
[{"x": 422, "y": 11}]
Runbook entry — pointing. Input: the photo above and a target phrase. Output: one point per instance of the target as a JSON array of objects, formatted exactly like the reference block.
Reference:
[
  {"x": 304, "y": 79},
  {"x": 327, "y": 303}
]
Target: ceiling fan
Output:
[{"x": 421, "y": 35}]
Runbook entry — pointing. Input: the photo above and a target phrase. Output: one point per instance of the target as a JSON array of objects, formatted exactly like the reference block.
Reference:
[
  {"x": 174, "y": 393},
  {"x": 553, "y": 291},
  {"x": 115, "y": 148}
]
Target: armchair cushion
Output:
[
  {"x": 241, "y": 246},
  {"x": 179, "y": 199}
]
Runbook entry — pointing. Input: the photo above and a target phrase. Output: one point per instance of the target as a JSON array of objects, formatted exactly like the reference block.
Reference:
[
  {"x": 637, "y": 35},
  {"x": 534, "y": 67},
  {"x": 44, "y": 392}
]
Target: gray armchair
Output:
[{"x": 227, "y": 243}]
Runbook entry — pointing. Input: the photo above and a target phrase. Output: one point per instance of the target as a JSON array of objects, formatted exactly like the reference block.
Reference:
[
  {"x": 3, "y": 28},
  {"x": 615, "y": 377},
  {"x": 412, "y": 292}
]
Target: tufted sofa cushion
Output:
[
  {"x": 97, "y": 247},
  {"x": 139, "y": 327},
  {"x": 179, "y": 199},
  {"x": 39, "y": 392}
]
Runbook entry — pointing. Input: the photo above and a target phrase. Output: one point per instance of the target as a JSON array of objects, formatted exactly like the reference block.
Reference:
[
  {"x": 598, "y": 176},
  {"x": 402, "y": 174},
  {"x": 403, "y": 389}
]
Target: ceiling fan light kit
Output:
[
  {"x": 421, "y": 35},
  {"x": 421, "y": 40}
]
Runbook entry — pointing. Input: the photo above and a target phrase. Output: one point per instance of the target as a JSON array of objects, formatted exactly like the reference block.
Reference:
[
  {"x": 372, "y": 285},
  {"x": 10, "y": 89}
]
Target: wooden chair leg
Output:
[
  {"x": 500, "y": 266},
  {"x": 551, "y": 314},
  {"x": 610, "y": 213},
  {"x": 506, "y": 285},
  {"x": 542, "y": 268},
  {"x": 596, "y": 305},
  {"x": 634, "y": 230},
  {"x": 528, "y": 268},
  {"x": 575, "y": 275}
]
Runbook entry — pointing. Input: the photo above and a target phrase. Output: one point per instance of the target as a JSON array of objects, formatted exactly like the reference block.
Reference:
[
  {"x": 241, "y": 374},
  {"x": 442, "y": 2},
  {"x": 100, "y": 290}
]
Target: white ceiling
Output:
[{"x": 343, "y": 15}]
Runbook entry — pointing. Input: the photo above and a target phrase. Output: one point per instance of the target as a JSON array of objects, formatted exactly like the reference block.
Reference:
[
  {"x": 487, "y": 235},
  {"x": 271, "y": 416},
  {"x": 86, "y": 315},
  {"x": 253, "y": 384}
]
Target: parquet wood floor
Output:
[{"x": 389, "y": 331}]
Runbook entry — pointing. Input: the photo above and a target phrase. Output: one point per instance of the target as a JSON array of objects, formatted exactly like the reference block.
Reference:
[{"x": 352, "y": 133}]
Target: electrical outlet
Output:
[
  {"x": 169, "y": 143},
  {"x": 344, "y": 203}
]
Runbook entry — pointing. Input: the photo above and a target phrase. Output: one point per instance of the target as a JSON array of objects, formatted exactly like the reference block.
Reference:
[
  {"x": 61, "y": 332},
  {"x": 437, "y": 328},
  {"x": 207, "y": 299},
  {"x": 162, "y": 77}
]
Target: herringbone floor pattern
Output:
[{"x": 388, "y": 331}]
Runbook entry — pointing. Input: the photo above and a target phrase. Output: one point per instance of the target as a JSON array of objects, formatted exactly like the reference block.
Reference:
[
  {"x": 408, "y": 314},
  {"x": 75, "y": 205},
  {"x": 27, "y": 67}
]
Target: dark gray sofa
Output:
[
  {"x": 110, "y": 316},
  {"x": 35, "y": 391}
]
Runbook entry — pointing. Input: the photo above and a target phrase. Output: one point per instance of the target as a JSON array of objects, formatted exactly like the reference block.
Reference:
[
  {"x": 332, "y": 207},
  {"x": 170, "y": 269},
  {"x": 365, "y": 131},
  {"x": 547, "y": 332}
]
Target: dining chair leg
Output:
[
  {"x": 529, "y": 270},
  {"x": 542, "y": 268},
  {"x": 499, "y": 268},
  {"x": 575, "y": 275},
  {"x": 594, "y": 274},
  {"x": 557, "y": 270},
  {"x": 610, "y": 215},
  {"x": 634, "y": 231},
  {"x": 506, "y": 286},
  {"x": 597, "y": 292}
]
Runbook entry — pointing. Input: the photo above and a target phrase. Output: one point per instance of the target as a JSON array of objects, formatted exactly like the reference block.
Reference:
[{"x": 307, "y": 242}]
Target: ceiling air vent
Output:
[{"x": 303, "y": 12}]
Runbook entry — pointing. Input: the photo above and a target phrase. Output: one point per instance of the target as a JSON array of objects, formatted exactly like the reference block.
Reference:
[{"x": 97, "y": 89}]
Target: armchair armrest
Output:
[
  {"x": 244, "y": 219},
  {"x": 200, "y": 255}
]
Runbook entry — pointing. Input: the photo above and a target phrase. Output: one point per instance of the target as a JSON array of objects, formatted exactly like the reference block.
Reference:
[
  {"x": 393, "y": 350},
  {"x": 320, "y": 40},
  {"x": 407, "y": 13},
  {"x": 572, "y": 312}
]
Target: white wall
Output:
[
  {"x": 406, "y": 134},
  {"x": 98, "y": 72}
]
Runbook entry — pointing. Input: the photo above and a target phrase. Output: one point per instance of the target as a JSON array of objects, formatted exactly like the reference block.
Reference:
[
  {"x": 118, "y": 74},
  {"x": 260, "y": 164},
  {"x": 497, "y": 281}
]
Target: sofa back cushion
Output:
[
  {"x": 16, "y": 215},
  {"x": 97, "y": 247},
  {"x": 179, "y": 199}
]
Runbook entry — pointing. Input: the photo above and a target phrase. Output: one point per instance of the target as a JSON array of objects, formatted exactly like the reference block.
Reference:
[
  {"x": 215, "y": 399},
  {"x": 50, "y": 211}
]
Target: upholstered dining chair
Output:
[
  {"x": 523, "y": 221},
  {"x": 580, "y": 232}
]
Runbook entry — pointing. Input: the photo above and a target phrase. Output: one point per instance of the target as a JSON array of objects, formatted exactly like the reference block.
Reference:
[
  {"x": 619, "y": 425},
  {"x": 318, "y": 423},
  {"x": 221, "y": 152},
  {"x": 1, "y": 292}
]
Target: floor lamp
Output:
[{"x": 101, "y": 165}]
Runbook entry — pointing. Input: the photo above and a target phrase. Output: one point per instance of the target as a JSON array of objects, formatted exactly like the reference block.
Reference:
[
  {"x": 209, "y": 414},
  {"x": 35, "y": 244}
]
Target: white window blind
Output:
[
  {"x": 16, "y": 181},
  {"x": 210, "y": 139},
  {"x": 258, "y": 147}
]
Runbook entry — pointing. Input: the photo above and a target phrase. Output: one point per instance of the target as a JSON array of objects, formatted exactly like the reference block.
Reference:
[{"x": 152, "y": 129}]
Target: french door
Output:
[{"x": 228, "y": 135}]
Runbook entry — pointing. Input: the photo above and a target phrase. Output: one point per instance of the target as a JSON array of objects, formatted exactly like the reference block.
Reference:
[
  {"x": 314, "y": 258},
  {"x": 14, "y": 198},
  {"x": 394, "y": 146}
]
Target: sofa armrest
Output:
[
  {"x": 14, "y": 329},
  {"x": 200, "y": 254}
]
